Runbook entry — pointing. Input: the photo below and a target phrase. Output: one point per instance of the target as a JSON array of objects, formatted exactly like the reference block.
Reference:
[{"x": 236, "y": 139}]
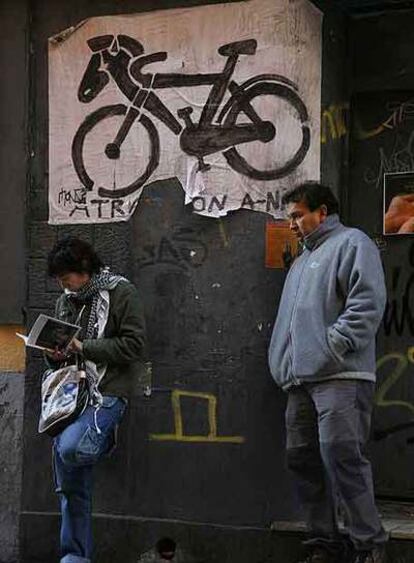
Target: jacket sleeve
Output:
[
  {"x": 361, "y": 279},
  {"x": 128, "y": 344}
]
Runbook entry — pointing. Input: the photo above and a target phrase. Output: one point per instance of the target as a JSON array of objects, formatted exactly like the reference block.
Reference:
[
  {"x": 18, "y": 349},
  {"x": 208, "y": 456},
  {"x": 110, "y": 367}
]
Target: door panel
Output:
[{"x": 382, "y": 141}]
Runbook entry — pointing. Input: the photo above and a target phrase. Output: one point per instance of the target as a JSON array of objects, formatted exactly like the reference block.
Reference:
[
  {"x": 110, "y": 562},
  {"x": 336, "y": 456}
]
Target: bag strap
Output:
[{"x": 80, "y": 361}]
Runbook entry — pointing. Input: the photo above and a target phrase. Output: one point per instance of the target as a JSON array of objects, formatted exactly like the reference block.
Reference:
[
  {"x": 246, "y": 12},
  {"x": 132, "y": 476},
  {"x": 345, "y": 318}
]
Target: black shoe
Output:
[
  {"x": 376, "y": 555},
  {"x": 321, "y": 555}
]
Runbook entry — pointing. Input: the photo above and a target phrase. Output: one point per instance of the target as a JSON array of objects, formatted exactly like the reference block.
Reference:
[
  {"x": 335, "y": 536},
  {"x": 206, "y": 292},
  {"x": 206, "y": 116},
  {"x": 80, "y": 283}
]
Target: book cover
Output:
[{"x": 49, "y": 333}]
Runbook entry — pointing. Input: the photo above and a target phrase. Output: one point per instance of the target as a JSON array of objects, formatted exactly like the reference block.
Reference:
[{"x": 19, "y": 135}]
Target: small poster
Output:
[
  {"x": 281, "y": 245},
  {"x": 399, "y": 203}
]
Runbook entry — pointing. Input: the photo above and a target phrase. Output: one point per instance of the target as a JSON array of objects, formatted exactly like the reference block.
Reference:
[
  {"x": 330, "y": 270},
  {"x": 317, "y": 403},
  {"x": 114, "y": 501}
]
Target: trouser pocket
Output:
[{"x": 99, "y": 437}]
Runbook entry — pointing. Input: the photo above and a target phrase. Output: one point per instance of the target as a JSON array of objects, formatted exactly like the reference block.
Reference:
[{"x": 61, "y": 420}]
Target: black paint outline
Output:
[{"x": 122, "y": 58}]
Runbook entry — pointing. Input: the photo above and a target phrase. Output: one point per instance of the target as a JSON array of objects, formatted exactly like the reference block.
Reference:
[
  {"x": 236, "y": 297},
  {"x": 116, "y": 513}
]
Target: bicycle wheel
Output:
[
  {"x": 298, "y": 115},
  {"x": 127, "y": 185}
]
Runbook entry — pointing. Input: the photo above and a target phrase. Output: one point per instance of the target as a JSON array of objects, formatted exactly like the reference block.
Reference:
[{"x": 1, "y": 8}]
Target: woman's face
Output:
[{"x": 73, "y": 281}]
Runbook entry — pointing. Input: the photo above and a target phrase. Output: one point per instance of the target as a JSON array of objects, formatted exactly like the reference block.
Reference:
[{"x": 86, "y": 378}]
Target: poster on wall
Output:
[
  {"x": 224, "y": 97},
  {"x": 399, "y": 203}
]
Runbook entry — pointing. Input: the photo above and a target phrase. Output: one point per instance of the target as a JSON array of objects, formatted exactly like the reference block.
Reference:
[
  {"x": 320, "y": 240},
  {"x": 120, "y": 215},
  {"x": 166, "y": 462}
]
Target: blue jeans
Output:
[{"x": 75, "y": 451}]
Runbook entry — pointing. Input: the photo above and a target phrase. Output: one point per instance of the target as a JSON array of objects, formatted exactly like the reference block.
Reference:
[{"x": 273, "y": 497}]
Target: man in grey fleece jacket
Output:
[{"x": 322, "y": 352}]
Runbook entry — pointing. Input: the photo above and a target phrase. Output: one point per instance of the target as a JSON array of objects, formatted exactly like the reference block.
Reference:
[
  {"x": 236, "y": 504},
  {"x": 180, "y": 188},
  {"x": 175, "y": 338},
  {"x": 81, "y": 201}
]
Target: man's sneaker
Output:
[
  {"x": 376, "y": 555},
  {"x": 321, "y": 555}
]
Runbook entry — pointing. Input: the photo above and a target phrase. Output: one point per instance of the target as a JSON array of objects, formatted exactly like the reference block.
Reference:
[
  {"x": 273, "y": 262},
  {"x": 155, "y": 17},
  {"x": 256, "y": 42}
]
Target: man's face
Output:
[
  {"x": 303, "y": 221},
  {"x": 167, "y": 555},
  {"x": 73, "y": 281}
]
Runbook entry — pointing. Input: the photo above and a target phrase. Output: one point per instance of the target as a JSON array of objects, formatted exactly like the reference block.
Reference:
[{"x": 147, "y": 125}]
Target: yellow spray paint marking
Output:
[
  {"x": 402, "y": 362},
  {"x": 179, "y": 435},
  {"x": 395, "y": 119},
  {"x": 410, "y": 354},
  {"x": 223, "y": 233},
  {"x": 333, "y": 122}
]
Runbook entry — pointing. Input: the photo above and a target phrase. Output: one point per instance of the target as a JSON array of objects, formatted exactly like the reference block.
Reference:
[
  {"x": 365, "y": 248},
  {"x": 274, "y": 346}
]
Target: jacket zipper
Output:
[{"x": 295, "y": 381}]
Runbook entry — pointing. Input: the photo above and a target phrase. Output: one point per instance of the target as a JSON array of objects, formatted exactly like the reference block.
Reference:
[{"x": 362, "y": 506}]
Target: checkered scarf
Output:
[{"x": 89, "y": 293}]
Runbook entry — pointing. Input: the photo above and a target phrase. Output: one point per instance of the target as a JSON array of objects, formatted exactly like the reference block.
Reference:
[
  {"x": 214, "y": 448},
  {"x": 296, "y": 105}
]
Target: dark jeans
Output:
[
  {"x": 327, "y": 430},
  {"x": 75, "y": 452}
]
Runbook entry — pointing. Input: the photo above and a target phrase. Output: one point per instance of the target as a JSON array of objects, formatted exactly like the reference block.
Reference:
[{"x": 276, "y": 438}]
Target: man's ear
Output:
[{"x": 324, "y": 212}]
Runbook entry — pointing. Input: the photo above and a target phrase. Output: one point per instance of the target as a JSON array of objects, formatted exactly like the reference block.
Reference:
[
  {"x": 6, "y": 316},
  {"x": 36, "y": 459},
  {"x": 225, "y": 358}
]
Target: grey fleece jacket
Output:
[{"x": 331, "y": 306}]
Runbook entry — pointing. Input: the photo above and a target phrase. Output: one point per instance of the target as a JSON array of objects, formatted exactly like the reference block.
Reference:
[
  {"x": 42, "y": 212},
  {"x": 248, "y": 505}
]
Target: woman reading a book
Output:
[{"x": 112, "y": 346}]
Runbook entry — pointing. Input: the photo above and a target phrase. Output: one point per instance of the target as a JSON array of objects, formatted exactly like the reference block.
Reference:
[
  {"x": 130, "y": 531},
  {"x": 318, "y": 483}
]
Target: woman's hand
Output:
[
  {"x": 75, "y": 346},
  {"x": 57, "y": 355}
]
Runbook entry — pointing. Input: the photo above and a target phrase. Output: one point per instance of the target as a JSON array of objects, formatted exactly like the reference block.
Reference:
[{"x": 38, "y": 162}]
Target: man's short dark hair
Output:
[
  {"x": 313, "y": 195},
  {"x": 166, "y": 548},
  {"x": 71, "y": 254}
]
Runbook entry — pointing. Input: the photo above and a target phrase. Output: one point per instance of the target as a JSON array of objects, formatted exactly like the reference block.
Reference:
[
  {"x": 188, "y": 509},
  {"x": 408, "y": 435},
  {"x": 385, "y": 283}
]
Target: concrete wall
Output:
[
  {"x": 11, "y": 431},
  {"x": 13, "y": 159},
  {"x": 209, "y": 325},
  {"x": 381, "y": 141},
  {"x": 335, "y": 101},
  {"x": 204, "y": 321}
]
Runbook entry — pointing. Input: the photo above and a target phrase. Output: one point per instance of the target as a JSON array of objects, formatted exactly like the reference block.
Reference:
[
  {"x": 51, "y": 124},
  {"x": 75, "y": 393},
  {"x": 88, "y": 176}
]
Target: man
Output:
[
  {"x": 165, "y": 550},
  {"x": 322, "y": 352}
]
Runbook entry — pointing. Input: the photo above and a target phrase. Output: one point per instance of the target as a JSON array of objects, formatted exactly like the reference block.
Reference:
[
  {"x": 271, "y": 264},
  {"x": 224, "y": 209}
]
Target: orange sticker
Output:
[{"x": 279, "y": 240}]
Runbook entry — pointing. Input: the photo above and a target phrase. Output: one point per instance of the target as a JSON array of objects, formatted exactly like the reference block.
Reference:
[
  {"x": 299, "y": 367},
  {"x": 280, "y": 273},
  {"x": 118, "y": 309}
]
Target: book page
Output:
[{"x": 49, "y": 333}]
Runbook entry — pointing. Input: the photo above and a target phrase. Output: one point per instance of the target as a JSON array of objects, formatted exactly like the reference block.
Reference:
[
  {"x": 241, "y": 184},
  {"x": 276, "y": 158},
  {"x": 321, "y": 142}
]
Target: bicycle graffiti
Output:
[
  {"x": 218, "y": 97},
  {"x": 223, "y": 126}
]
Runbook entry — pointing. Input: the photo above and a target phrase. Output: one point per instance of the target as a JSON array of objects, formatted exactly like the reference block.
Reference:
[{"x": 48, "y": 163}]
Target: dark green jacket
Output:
[{"x": 123, "y": 344}]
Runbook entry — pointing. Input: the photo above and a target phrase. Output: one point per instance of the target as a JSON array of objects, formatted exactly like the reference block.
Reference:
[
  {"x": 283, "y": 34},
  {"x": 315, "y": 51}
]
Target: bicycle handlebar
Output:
[{"x": 138, "y": 64}]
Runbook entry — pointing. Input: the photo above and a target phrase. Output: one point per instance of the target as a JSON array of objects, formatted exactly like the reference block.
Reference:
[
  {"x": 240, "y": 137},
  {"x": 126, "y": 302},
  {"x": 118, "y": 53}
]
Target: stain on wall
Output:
[{"x": 12, "y": 349}]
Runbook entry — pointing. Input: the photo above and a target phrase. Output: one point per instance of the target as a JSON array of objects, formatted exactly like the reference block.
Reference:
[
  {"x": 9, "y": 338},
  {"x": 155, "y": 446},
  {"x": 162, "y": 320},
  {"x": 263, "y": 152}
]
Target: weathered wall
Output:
[
  {"x": 210, "y": 305},
  {"x": 13, "y": 157},
  {"x": 382, "y": 135},
  {"x": 11, "y": 433},
  {"x": 12, "y": 366},
  {"x": 335, "y": 101}
]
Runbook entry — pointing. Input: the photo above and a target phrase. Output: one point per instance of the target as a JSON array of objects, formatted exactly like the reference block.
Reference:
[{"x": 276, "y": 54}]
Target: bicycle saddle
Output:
[
  {"x": 247, "y": 47},
  {"x": 103, "y": 42}
]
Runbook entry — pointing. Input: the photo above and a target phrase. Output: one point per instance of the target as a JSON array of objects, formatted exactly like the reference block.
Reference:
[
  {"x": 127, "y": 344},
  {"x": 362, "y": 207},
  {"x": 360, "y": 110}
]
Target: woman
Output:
[{"x": 112, "y": 346}]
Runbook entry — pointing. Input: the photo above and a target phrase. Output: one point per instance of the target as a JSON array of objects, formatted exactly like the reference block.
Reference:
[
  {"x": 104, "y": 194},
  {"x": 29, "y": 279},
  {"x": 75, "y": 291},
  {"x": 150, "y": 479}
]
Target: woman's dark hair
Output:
[
  {"x": 71, "y": 254},
  {"x": 313, "y": 195}
]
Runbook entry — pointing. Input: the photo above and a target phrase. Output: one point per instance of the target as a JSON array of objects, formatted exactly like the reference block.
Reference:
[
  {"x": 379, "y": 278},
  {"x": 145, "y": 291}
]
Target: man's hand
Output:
[{"x": 400, "y": 213}]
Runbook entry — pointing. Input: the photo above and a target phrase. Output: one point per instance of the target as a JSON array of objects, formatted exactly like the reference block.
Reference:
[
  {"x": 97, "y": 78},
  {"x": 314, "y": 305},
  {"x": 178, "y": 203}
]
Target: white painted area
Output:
[{"x": 279, "y": 81}]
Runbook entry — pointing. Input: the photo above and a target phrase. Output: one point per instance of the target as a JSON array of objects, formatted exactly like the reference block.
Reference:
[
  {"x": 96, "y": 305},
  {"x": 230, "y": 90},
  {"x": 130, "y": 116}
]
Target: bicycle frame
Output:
[
  {"x": 197, "y": 139},
  {"x": 219, "y": 128}
]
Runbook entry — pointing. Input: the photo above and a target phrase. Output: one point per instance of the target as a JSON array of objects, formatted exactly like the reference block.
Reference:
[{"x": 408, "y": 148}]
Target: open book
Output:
[{"x": 48, "y": 334}]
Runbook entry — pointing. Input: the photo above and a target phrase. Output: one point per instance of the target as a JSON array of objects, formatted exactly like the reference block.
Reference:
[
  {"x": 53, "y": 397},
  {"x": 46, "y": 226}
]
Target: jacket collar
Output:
[{"x": 319, "y": 235}]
